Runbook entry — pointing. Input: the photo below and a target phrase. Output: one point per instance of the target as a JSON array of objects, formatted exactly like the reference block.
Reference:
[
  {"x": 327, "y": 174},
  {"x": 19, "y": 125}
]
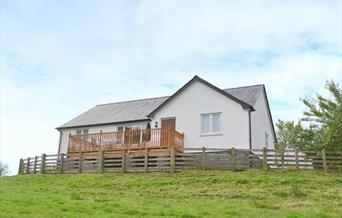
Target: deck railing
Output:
[{"x": 130, "y": 139}]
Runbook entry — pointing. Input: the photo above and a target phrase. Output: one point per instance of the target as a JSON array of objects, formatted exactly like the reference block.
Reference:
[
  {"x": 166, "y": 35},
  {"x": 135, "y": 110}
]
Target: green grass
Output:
[{"x": 253, "y": 193}]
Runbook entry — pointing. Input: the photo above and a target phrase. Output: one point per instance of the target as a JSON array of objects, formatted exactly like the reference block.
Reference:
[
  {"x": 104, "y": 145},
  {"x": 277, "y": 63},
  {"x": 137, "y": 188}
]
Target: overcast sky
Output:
[{"x": 60, "y": 58}]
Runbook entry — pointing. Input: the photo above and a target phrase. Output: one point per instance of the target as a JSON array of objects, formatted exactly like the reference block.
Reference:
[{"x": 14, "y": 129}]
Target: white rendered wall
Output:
[
  {"x": 261, "y": 124},
  {"x": 198, "y": 99},
  {"x": 95, "y": 129}
]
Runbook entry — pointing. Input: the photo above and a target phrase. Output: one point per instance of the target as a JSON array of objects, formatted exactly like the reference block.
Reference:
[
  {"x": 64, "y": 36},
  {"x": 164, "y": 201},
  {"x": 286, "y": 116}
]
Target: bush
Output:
[{"x": 3, "y": 169}]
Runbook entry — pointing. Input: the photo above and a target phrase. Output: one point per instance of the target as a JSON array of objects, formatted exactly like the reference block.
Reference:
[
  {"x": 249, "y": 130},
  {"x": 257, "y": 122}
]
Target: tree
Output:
[
  {"x": 324, "y": 129},
  {"x": 325, "y": 117},
  {"x": 290, "y": 135},
  {"x": 3, "y": 169}
]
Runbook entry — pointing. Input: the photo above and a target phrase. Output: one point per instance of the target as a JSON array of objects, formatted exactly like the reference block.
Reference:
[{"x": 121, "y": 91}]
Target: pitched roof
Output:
[
  {"x": 248, "y": 94},
  {"x": 138, "y": 110},
  {"x": 119, "y": 112}
]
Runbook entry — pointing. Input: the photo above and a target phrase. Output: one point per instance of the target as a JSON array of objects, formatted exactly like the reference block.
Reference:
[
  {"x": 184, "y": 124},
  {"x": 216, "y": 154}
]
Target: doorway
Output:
[{"x": 166, "y": 139}]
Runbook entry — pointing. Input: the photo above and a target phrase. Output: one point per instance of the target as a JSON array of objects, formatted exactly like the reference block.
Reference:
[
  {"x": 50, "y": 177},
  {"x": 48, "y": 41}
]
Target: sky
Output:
[{"x": 61, "y": 57}]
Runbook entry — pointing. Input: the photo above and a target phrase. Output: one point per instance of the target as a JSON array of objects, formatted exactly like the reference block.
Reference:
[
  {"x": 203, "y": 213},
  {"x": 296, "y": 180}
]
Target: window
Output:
[
  {"x": 216, "y": 123},
  {"x": 82, "y": 132},
  {"x": 210, "y": 123},
  {"x": 266, "y": 140},
  {"x": 205, "y": 123}
]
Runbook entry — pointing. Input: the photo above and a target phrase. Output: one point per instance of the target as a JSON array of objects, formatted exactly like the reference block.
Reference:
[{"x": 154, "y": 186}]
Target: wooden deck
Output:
[{"x": 131, "y": 140}]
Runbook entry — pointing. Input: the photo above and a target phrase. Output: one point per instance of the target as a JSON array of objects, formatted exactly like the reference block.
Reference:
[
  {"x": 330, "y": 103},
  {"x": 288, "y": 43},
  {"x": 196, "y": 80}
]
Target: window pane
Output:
[
  {"x": 79, "y": 132},
  {"x": 85, "y": 132},
  {"x": 205, "y": 123},
  {"x": 216, "y": 125}
]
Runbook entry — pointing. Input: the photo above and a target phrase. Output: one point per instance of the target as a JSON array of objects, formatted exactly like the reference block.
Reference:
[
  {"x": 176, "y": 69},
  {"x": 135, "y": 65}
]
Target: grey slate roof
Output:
[
  {"x": 116, "y": 112},
  {"x": 248, "y": 94},
  {"x": 135, "y": 110}
]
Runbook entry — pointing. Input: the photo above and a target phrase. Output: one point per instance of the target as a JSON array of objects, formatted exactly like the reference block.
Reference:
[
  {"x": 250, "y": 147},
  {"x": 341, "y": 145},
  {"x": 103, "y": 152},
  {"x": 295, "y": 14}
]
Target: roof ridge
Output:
[
  {"x": 244, "y": 86},
  {"x": 132, "y": 100}
]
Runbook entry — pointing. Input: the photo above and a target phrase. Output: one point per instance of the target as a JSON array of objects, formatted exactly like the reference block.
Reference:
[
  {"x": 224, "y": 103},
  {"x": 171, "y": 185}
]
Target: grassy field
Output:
[{"x": 253, "y": 193}]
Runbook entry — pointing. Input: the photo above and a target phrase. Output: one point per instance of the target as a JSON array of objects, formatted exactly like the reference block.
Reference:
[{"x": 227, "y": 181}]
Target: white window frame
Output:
[
  {"x": 82, "y": 131},
  {"x": 210, "y": 133}
]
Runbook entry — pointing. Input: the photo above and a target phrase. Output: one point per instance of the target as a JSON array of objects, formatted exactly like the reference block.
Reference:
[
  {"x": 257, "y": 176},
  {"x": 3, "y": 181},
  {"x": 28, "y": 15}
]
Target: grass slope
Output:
[{"x": 253, "y": 193}]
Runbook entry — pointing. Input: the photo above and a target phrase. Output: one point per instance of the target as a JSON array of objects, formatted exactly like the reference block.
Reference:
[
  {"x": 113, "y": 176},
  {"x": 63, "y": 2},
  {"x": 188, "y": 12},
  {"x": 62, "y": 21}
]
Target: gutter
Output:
[{"x": 102, "y": 124}]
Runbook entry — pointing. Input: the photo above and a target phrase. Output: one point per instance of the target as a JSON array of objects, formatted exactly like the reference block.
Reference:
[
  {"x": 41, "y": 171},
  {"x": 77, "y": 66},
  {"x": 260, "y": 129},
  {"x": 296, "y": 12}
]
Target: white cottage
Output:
[{"x": 198, "y": 115}]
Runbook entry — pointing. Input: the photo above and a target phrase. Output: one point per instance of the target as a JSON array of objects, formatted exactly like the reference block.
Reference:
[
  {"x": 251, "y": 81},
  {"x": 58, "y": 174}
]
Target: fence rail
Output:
[{"x": 170, "y": 159}]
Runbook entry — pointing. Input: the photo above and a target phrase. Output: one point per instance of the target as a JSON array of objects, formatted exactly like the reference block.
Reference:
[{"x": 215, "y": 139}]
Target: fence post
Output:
[
  {"x": 100, "y": 161},
  {"x": 42, "y": 164},
  {"x": 324, "y": 159},
  {"x": 123, "y": 163},
  {"x": 297, "y": 161},
  {"x": 28, "y": 166},
  {"x": 61, "y": 164},
  {"x": 264, "y": 158},
  {"x": 80, "y": 162},
  {"x": 233, "y": 159},
  {"x": 203, "y": 158},
  {"x": 35, "y": 165},
  {"x": 21, "y": 165},
  {"x": 172, "y": 160},
  {"x": 250, "y": 159},
  {"x": 146, "y": 160}
]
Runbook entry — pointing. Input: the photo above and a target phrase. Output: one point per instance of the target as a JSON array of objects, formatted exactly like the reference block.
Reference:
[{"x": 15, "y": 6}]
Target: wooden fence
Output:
[{"x": 171, "y": 160}]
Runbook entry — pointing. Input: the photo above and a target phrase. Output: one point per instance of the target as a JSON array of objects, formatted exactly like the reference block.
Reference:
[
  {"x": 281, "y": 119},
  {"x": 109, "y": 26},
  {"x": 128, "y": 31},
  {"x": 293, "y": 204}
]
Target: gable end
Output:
[{"x": 243, "y": 104}]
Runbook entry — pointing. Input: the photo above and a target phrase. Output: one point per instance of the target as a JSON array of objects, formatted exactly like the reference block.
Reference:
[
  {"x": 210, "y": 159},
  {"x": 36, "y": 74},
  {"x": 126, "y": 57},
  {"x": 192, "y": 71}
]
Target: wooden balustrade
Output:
[{"x": 130, "y": 140}]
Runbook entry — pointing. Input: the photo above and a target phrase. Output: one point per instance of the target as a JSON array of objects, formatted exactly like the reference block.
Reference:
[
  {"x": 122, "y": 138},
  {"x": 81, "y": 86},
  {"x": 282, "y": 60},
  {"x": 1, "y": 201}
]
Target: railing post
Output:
[
  {"x": 172, "y": 160},
  {"x": 324, "y": 159},
  {"x": 42, "y": 164},
  {"x": 28, "y": 166},
  {"x": 35, "y": 165},
  {"x": 146, "y": 160},
  {"x": 141, "y": 135},
  {"x": 123, "y": 135},
  {"x": 80, "y": 162},
  {"x": 204, "y": 158},
  {"x": 297, "y": 160},
  {"x": 264, "y": 158},
  {"x": 61, "y": 163},
  {"x": 69, "y": 143},
  {"x": 233, "y": 159},
  {"x": 100, "y": 161},
  {"x": 100, "y": 138},
  {"x": 123, "y": 163},
  {"x": 21, "y": 165}
]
